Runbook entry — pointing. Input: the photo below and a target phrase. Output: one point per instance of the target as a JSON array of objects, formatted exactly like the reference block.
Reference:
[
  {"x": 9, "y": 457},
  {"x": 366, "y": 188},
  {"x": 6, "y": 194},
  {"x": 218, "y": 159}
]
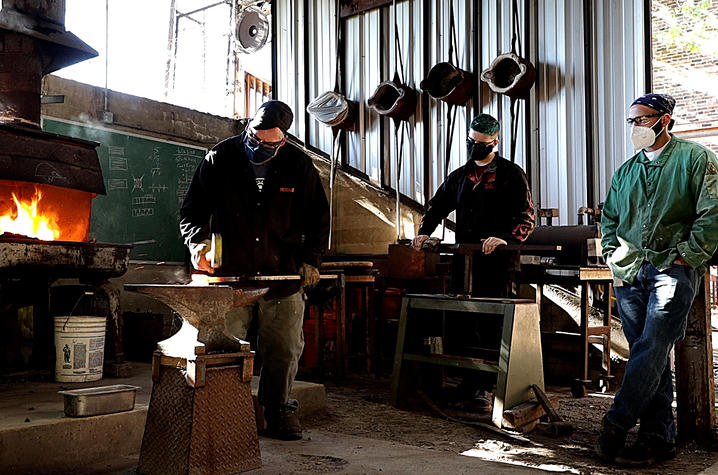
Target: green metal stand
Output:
[{"x": 520, "y": 361}]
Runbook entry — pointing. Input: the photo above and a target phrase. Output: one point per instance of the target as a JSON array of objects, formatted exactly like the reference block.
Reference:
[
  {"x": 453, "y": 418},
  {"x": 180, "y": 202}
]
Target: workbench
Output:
[
  {"x": 583, "y": 277},
  {"x": 519, "y": 362},
  {"x": 342, "y": 276}
]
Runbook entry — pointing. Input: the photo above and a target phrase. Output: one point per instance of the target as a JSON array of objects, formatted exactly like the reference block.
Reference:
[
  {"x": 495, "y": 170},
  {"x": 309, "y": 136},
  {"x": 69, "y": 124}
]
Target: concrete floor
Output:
[
  {"x": 36, "y": 437},
  {"x": 326, "y": 452}
]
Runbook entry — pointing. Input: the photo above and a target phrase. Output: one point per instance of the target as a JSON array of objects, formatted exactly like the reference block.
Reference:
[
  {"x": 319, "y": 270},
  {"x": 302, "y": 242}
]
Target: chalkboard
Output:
[{"x": 146, "y": 180}]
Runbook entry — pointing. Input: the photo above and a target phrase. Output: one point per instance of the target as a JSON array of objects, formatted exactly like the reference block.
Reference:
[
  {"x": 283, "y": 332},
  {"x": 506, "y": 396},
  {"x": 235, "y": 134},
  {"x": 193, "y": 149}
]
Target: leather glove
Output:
[
  {"x": 310, "y": 275},
  {"x": 418, "y": 241},
  {"x": 198, "y": 256}
]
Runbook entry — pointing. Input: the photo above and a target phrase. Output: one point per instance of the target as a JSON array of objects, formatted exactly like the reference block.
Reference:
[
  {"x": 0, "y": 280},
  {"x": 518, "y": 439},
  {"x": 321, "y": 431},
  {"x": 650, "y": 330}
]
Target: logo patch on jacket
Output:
[
  {"x": 711, "y": 169},
  {"x": 287, "y": 190}
]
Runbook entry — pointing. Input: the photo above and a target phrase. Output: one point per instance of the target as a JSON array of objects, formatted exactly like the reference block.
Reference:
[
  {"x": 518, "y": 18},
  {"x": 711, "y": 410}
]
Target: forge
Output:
[{"x": 47, "y": 181}]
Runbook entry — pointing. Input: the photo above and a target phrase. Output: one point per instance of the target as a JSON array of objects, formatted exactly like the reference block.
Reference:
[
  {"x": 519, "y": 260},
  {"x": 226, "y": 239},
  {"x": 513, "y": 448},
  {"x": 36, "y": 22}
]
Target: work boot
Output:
[
  {"x": 647, "y": 450},
  {"x": 282, "y": 421},
  {"x": 611, "y": 441}
]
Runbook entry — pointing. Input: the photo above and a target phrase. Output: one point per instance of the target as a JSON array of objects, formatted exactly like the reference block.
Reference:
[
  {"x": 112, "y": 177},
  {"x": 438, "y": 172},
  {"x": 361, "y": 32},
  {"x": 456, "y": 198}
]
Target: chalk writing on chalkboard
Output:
[
  {"x": 146, "y": 181},
  {"x": 116, "y": 184},
  {"x": 186, "y": 165}
]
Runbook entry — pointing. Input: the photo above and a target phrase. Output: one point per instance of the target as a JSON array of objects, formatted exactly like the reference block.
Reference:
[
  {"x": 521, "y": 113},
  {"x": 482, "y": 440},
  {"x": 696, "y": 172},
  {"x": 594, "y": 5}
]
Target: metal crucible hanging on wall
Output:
[
  {"x": 393, "y": 99},
  {"x": 448, "y": 83},
  {"x": 511, "y": 75},
  {"x": 334, "y": 109}
]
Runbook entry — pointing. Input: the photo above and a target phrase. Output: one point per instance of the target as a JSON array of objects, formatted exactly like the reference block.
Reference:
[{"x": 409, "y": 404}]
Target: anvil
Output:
[{"x": 203, "y": 310}]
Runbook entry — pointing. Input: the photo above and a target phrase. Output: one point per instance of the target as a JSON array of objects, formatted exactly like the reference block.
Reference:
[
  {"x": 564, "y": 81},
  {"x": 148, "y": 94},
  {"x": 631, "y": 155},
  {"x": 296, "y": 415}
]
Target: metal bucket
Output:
[
  {"x": 394, "y": 100},
  {"x": 79, "y": 348},
  {"x": 511, "y": 75},
  {"x": 448, "y": 83}
]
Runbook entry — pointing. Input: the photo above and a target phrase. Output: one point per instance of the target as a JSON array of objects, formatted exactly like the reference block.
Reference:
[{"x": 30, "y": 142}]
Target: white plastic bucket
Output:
[{"x": 79, "y": 348}]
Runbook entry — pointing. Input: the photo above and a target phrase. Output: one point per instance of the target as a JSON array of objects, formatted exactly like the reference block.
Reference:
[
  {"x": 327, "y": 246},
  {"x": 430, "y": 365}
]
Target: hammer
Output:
[{"x": 557, "y": 425}]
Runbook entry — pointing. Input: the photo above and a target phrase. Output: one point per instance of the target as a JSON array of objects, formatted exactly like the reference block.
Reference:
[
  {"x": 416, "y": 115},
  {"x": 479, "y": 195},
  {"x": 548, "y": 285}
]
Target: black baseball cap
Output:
[{"x": 272, "y": 114}]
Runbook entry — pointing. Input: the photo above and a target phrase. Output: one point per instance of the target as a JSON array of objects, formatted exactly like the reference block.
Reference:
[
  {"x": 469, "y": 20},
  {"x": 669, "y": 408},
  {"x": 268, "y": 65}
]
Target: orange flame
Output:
[{"x": 28, "y": 222}]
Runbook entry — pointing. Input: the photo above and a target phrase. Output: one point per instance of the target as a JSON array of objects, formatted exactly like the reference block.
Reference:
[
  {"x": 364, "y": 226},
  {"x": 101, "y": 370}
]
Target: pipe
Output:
[{"x": 107, "y": 52}]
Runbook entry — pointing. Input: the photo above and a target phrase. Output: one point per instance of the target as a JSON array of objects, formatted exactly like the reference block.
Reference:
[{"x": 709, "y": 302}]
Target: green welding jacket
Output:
[{"x": 659, "y": 210}]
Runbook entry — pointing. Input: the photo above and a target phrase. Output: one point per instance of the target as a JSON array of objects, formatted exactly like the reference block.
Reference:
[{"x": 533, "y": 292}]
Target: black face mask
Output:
[
  {"x": 478, "y": 150},
  {"x": 258, "y": 153}
]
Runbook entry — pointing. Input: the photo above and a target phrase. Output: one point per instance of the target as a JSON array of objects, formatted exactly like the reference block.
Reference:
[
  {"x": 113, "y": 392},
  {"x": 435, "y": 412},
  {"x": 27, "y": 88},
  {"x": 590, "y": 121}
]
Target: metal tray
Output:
[{"x": 99, "y": 400}]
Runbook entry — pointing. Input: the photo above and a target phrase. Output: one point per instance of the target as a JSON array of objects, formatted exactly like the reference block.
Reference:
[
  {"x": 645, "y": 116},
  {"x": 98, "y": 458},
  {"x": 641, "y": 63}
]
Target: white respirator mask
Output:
[{"x": 643, "y": 137}]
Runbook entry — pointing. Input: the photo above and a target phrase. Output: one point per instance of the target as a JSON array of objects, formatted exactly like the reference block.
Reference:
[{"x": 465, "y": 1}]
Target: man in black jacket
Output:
[
  {"x": 264, "y": 197},
  {"x": 493, "y": 206}
]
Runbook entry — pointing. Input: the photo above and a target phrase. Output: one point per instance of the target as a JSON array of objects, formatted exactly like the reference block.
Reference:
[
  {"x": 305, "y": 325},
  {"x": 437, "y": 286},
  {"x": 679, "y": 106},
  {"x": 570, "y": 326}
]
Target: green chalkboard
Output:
[{"x": 146, "y": 180}]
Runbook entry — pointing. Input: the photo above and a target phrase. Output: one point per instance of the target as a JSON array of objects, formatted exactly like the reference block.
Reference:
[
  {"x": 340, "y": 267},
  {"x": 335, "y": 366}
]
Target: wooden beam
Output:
[
  {"x": 527, "y": 412},
  {"x": 348, "y": 8},
  {"x": 694, "y": 371}
]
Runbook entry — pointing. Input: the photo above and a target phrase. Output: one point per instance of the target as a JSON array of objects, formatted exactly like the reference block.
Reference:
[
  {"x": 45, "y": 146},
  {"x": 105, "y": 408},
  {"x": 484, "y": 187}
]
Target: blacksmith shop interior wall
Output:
[
  {"x": 289, "y": 81},
  {"x": 589, "y": 57},
  {"x": 561, "y": 98},
  {"x": 620, "y": 69},
  {"x": 363, "y": 71},
  {"x": 322, "y": 58},
  {"x": 409, "y": 21},
  {"x": 439, "y": 38}
]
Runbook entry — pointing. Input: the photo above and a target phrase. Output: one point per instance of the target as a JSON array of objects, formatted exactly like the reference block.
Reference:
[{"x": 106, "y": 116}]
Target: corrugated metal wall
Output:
[
  {"x": 561, "y": 96},
  {"x": 290, "y": 43},
  {"x": 363, "y": 72},
  {"x": 438, "y": 120},
  {"x": 322, "y": 56},
  {"x": 619, "y": 76},
  {"x": 569, "y": 161}
]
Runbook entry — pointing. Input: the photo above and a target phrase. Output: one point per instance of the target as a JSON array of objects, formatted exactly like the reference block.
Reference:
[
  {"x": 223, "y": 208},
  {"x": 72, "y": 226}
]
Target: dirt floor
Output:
[{"x": 361, "y": 406}]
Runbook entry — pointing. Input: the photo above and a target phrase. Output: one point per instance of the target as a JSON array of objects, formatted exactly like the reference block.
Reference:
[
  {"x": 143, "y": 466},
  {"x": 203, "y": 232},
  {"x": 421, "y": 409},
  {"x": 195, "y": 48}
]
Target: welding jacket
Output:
[
  {"x": 271, "y": 232},
  {"x": 498, "y": 205},
  {"x": 659, "y": 210}
]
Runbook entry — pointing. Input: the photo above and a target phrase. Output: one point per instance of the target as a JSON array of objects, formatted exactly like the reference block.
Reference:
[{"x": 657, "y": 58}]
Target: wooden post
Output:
[{"x": 694, "y": 371}]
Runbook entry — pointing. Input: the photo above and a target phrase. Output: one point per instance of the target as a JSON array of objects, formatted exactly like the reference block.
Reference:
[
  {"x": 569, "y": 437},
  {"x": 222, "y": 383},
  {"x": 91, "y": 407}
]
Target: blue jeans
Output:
[{"x": 654, "y": 311}]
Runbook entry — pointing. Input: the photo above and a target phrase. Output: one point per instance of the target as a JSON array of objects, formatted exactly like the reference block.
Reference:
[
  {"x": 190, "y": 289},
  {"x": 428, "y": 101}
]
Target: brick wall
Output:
[{"x": 685, "y": 63}]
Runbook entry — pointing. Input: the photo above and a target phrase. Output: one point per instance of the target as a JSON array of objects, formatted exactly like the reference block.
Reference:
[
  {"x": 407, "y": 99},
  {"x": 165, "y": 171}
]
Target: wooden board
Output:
[{"x": 525, "y": 413}]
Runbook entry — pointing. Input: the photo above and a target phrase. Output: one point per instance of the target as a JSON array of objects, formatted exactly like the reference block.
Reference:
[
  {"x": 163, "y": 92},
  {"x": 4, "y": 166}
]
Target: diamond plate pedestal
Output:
[{"x": 201, "y": 417}]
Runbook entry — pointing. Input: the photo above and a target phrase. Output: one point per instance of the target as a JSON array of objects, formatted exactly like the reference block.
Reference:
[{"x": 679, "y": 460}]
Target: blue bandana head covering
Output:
[{"x": 662, "y": 103}]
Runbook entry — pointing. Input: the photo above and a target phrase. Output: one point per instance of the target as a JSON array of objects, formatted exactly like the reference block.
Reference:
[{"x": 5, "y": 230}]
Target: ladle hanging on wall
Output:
[
  {"x": 511, "y": 75},
  {"x": 445, "y": 81},
  {"x": 332, "y": 108},
  {"x": 396, "y": 100},
  {"x": 452, "y": 85}
]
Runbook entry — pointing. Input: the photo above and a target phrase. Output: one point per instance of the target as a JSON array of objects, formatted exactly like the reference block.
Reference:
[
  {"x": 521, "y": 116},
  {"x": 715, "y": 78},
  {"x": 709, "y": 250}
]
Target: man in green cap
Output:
[{"x": 493, "y": 206}]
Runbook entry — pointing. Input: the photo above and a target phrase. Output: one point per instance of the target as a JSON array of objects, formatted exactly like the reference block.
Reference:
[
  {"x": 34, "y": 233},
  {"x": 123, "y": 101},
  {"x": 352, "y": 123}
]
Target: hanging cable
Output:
[
  {"x": 398, "y": 135},
  {"x": 515, "y": 49},
  {"x": 451, "y": 108},
  {"x": 336, "y": 132}
]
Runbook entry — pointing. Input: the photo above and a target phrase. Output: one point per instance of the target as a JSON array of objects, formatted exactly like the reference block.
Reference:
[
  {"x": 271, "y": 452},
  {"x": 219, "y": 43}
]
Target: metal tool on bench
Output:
[
  {"x": 557, "y": 425},
  {"x": 470, "y": 250},
  {"x": 578, "y": 263}
]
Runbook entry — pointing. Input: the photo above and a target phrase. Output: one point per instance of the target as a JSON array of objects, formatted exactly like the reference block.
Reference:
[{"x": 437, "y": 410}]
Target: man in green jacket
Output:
[{"x": 660, "y": 227}]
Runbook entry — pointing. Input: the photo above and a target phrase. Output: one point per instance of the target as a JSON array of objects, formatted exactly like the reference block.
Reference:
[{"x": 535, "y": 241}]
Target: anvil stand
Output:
[{"x": 201, "y": 415}]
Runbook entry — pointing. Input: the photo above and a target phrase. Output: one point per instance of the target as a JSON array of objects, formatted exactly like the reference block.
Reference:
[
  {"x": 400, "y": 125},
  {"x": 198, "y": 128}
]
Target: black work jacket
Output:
[
  {"x": 500, "y": 205},
  {"x": 268, "y": 233}
]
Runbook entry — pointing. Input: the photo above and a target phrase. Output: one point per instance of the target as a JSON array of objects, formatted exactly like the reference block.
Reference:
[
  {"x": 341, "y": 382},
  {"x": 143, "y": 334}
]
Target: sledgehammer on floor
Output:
[{"x": 558, "y": 426}]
